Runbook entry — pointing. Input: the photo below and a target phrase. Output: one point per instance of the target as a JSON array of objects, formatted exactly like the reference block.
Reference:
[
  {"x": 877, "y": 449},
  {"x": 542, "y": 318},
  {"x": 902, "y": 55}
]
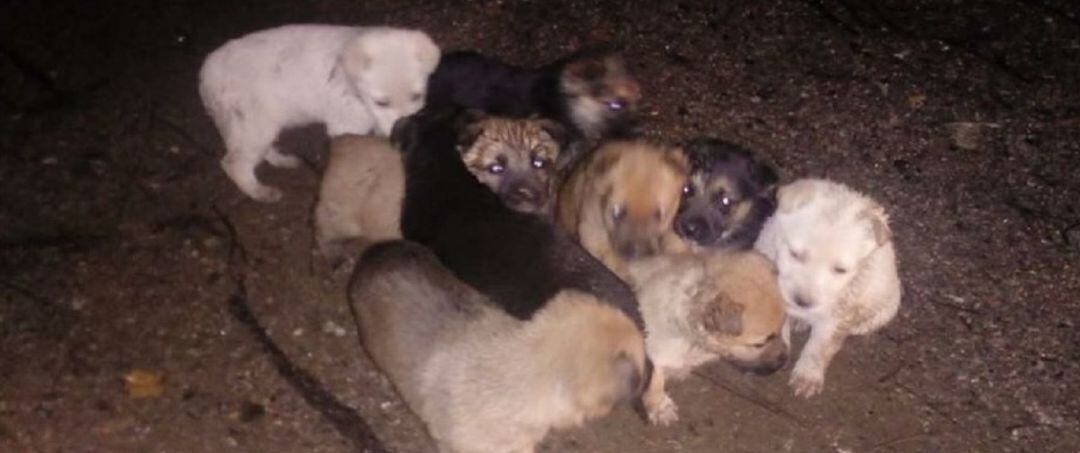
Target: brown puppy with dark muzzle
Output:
[
  {"x": 364, "y": 182},
  {"x": 480, "y": 379},
  {"x": 699, "y": 308},
  {"x": 621, "y": 201}
]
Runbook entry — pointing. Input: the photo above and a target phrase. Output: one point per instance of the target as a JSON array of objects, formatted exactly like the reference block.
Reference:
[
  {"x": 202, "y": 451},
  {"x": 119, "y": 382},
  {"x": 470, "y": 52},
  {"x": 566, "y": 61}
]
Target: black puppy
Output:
[
  {"x": 590, "y": 92},
  {"x": 730, "y": 195},
  {"x": 518, "y": 260}
]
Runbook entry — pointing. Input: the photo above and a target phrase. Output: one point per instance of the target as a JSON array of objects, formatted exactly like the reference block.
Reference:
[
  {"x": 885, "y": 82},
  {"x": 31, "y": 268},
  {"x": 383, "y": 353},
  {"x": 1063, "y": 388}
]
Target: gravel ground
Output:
[{"x": 123, "y": 247}]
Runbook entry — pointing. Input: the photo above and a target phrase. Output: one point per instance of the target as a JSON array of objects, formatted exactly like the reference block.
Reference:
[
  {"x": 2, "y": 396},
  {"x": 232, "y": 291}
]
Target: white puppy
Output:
[
  {"x": 354, "y": 79},
  {"x": 836, "y": 266}
]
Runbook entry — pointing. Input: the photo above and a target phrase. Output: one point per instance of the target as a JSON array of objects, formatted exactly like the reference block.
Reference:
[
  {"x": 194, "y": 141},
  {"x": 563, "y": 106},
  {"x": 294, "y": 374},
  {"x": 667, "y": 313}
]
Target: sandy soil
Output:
[{"x": 123, "y": 245}]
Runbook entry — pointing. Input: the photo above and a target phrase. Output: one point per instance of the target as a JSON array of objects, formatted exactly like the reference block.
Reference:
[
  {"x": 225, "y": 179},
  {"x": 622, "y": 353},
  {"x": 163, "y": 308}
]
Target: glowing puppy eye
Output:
[
  {"x": 495, "y": 168},
  {"x": 618, "y": 212},
  {"x": 539, "y": 162},
  {"x": 725, "y": 201},
  {"x": 688, "y": 190},
  {"x": 616, "y": 104}
]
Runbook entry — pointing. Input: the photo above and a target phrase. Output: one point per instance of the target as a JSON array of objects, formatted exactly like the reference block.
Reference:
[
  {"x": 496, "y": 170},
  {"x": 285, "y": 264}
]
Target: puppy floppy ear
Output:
[
  {"x": 767, "y": 175},
  {"x": 555, "y": 130},
  {"x": 469, "y": 126},
  {"x": 354, "y": 57},
  {"x": 676, "y": 157},
  {"x": 427, "y": 53},
  {"x": 723, "y": 316},
  {"x": 795, "y": 195},
  {"x": 879, "y": 223}
]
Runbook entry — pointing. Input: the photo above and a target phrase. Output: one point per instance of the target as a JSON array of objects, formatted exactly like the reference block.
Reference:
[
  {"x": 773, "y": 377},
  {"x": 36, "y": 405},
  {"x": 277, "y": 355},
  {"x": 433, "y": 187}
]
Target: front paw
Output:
[
  {"x": 807, "y": 382},
  {"x": 664, "y": 412}
]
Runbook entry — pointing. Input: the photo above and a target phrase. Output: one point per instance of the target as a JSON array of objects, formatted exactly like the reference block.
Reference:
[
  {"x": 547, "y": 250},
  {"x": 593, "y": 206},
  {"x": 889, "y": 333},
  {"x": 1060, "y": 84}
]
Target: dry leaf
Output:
[{"x": 144, "y": 384}]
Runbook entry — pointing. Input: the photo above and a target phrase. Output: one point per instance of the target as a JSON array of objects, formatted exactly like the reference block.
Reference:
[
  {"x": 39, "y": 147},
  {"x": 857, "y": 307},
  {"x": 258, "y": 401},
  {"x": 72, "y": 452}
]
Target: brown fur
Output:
[
  {"x": 699, "y": 308},
  {"x": 525, "y": 151},
  {"x": 620, "y": 202},
  {"x": 480, "y": 379}
]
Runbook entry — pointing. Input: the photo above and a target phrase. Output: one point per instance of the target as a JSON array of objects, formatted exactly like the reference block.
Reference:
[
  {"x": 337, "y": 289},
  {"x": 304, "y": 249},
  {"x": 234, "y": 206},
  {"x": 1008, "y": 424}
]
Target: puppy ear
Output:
[
  {"x": 723, "y": 316},
  {"x": 879, "y": 223},
  {"x": 469, "y": 127},
  {"x": 676, "y": 157},
  {"x": 604, "y": 160},
  {"x": 795, "y": 195},
  {"x": 427, "y": 53},
  {"x": 354, "y": 58},
  {"x": 555, "y": 130}
]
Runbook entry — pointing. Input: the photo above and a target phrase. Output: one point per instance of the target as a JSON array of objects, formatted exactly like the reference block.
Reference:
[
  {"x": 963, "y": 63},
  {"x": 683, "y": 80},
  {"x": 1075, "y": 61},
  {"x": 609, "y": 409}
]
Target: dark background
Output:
[{"x": 121, "y": 240}]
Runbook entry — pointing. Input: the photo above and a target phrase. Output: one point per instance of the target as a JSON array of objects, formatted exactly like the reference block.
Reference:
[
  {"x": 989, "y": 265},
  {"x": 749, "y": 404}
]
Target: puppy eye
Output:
[
  {"x": 539, "y": 162},
  {"x": 799, "y": 256},
  {"x": 725, "y": 201},
  {"x": 616, "y": 104},
  {"x": 416, "y": 97},
  {"x": 496, "y": 168},
  {"x": 688, "y": 190},
  {"x": 618, "y": 212},
  {"x": 382, "y": 102},
  {"x": 839, "y": 270}
]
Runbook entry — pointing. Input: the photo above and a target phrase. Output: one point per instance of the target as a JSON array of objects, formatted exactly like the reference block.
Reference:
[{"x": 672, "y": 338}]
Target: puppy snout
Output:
[
  {"x": 522, "y": 195},
  {"x": 802, "y": 301},
  {"x": 636, "y": 249},
  {"x": 693, "y": 228}
]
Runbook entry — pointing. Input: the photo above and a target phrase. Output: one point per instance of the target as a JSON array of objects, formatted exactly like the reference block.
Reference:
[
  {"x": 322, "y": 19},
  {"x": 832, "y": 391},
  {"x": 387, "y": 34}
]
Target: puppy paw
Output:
[
  {"x": 664, "y": 412},
  {"x": 806, "y": 382}
]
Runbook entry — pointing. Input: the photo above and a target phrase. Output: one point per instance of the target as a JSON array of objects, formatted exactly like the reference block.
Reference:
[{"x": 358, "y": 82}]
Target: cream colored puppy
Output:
[
  {"x": 481, "y": 380},
  {"x": 700, "y": 308},
  {"x": 356, "y": 80},
  {"x": 837, "y": 270}
]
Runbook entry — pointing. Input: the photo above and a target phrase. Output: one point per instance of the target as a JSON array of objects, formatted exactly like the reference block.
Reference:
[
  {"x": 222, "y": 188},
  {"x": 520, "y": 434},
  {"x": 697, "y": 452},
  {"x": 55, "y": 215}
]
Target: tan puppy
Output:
[
  {"x": 699, "y": 308},
  {"x": 480, "y": 379},
  {"x": 620, "y": 202},
  {"x": 360, "y": 195},
  {"x": 364, "y": 183}
]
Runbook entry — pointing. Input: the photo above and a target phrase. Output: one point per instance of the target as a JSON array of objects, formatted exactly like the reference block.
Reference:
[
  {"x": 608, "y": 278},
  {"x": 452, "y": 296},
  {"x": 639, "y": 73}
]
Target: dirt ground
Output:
[{"x": 124, "y": 247}]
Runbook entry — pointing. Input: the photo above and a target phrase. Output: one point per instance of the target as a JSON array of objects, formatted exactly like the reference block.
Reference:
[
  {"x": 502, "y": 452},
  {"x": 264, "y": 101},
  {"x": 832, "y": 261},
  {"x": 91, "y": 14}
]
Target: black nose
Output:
[
  {"x": 802, "y": 301},
  {"x": 693, "y": 228}
]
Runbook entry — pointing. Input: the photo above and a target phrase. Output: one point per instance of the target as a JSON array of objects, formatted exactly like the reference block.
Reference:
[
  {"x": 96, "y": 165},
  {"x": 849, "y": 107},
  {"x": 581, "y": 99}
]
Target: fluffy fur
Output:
[
  {"x": 729, "y": 195},
  {"x": 481, "y": 380},
  {"x": 354, "y": 79},
  {"x": 836, "y": 266},
  {"x": 699, "y": 308},
  {"x": 589, "y": 92},
  {"x": 364, "y": 183},
  {"x": 621, "y": 201}
]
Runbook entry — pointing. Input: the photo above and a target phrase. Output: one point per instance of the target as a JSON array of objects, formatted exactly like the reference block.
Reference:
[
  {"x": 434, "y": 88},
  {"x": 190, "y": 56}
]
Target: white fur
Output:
[
  {"x": 258, "y": 84},
  {"x": 833, "y": 251}
]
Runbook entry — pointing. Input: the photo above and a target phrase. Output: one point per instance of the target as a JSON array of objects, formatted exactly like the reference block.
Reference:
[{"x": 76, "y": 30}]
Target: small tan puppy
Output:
[
  {"x": 620, "y": 202},
  {"x": 699, "y": 308},
  {"x": 364, "y": 183},
  {"x": 480, "y": 379},
  {"x": 836, "y": 266}
]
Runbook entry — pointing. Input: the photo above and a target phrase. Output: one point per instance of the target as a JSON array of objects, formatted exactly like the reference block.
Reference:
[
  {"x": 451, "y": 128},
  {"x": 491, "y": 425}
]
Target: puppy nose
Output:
[
  {"x": 694, "y": 228},
  {"x": 526, "y": 194},
  {"x": 802, "y": 301}
]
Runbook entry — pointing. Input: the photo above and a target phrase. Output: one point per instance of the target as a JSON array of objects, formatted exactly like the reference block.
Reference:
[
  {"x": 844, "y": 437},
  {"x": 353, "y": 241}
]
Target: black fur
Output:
[
  {"x": 751, "y": 182},
  {"x": 472, "y": 80},
  {"x": 518, "y": 260}
]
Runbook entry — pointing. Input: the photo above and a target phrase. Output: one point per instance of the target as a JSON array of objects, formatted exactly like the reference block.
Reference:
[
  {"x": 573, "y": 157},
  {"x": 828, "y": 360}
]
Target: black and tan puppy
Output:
[
  {"x": 621, "y": 201},
  {"x": 729, "y": 196},
  {"x": 517, "y": 260},
  {"x": 480, "y": 379},
  {"x": 591, "y": 92},
  {"x": 364, "y": 183}
]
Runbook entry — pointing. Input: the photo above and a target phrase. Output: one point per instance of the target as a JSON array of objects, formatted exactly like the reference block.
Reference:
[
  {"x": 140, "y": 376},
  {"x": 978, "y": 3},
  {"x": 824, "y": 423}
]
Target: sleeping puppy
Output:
[
  {"x": 361, "y": 191},
  {"x": 356, "y": 80},
  {"x": 621, "y": 201},
  {"x": 480, "y": 379},
  {"x": 836, "y": 266},
  {"x": 519, "y": 261},
  {"x": 590, "y": 92},
  {"x": 729, "y": 195},
  {"x": 703, "y": 307}
]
